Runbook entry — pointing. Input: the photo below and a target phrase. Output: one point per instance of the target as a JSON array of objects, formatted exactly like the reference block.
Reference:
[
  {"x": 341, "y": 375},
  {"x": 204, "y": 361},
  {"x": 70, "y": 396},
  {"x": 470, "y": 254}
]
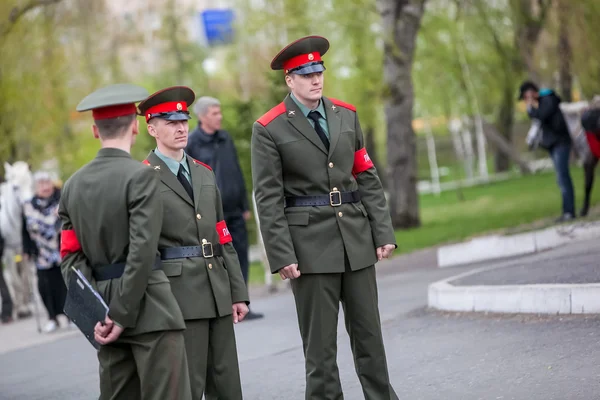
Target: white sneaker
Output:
[{"x": 51, "y": 326}]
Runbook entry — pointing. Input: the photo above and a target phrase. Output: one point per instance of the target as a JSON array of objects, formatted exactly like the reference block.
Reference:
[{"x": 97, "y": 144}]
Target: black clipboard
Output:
[{"x": 84, "y": 306}]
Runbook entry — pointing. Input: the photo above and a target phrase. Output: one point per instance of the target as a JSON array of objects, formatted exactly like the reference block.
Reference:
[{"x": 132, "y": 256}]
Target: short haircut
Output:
[
  {"x": 204, "y": 103},
  {"x": 113, "y": 128}
]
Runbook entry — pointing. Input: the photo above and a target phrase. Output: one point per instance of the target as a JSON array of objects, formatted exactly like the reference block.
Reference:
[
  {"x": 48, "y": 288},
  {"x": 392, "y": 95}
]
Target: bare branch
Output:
[{"x": 17, "y": 12}]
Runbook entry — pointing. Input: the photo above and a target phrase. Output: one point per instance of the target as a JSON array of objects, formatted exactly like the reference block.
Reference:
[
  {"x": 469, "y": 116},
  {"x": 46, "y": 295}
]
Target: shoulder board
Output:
[
  {"x": 146, "y": 162},
  {"x": 342, "y": 104},
  {"x": 201, "y": 163},
  {"x": 272, "y": 114}
]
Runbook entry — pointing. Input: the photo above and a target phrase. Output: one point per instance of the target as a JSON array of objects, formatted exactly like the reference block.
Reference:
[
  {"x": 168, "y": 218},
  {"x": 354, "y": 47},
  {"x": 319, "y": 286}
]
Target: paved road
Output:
[{"x": 432, "y": 355}]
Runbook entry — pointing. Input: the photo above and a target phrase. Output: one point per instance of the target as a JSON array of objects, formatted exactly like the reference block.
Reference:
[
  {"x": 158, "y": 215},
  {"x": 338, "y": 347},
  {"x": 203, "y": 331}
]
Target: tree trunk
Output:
[
  {"x": 504, "y": 125},
  {"x": 374, "y": 154},
  {"x": 500, "y": 143},
  {"x": 401, "y": 22},
  {"x": 564, "y": 52}
]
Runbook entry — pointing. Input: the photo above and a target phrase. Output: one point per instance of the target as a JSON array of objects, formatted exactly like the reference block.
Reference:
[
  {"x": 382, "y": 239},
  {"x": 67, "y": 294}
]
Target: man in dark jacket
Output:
[
  {"x": 211, "y": 145},
  {"x": 543, "y": 105}
]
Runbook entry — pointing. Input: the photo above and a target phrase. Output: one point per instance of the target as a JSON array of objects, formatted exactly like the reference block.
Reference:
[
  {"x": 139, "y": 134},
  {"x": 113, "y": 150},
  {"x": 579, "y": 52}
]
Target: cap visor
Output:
[
  {"x": 175, "y": 116},
  {"x": 310, "y": 69}
]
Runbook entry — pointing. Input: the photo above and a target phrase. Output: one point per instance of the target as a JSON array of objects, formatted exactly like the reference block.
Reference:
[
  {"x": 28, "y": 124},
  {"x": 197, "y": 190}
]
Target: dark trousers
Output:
[
  {"x": 52, "y": 290},
  {"x": 212, "y": 358},
  {"x": 7, "y": 304},
  {"x": 318, "y": 298},
  {"x": 560, "y": 154},
  {"x": 149, "y": 366},
  {"x": 237, "y": 228}
]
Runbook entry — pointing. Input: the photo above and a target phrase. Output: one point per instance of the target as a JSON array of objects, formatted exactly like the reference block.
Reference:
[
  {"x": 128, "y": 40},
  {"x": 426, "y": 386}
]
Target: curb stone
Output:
[
  {"x": 531, "y": 298},
  {"x": 498, "y": 246}
]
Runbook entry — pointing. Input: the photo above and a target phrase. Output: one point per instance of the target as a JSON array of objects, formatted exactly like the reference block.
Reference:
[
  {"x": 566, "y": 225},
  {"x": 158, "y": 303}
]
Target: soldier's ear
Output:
[
  {"x": 136, "y": 126},
  {"x": 95, "y": 131}
]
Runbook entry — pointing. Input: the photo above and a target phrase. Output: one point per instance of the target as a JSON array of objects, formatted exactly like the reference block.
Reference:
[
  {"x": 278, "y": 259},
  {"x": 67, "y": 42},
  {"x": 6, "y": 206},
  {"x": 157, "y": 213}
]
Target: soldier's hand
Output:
[
  {"x": 102, "y": 330},
  {"x": 113, "y": 333},
  {"x": 385, "y": 251},
  {"x": 289, "y": 272},
  {"x": 239, "y": 312}
]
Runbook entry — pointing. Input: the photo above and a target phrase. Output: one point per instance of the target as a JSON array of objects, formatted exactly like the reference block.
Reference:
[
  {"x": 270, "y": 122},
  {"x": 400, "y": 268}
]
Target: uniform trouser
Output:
[
  {"x": 20, "y": 278},
  {"x": 239, "y": 235},
  {"x": 317, "y": 303},
  {"x": 149, "y": 366},
  {"x": 212, "y": 358}
]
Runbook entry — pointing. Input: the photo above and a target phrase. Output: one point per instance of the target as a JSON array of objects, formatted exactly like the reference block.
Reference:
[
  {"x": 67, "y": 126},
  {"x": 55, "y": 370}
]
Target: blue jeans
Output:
[{"x": 560, "y": 157}]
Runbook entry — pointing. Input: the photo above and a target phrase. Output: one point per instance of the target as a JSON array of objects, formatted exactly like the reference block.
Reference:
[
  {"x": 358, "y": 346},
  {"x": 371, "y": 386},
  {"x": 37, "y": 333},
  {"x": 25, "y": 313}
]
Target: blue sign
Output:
[{"x": 218, "y": 26}]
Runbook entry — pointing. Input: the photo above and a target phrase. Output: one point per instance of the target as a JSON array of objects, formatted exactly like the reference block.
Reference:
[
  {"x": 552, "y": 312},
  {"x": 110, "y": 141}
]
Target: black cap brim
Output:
[
  {"x": 175, "y": 116},
  {"x": 309, "y": 69}
]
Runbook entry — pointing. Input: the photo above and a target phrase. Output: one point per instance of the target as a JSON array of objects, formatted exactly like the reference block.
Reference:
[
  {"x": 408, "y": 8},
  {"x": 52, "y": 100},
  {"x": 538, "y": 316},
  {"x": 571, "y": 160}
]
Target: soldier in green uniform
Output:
[
  {"x": 196, "y": 249},
  {"x": 111, "y": 214},
  {"x": 324, "y": 221}
]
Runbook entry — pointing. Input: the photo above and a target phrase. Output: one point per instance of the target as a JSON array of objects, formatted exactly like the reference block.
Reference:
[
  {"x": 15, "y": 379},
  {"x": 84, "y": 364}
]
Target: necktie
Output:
[
  {"x": 184, "y": 182},
  {"x": 315, "y": 115}
]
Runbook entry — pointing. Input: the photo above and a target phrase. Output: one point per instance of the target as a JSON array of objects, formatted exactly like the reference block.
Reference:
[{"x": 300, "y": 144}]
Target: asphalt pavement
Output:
[{"x": 431, "y": 355}]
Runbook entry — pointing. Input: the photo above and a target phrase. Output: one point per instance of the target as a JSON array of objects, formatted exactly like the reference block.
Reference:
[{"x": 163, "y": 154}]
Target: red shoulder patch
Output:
[
  {"x": 343, "y": 104},
  {"x": 146, "y": 162},
  {"x": 201, "y": 163},
  {"x": 272, "y": 114}
]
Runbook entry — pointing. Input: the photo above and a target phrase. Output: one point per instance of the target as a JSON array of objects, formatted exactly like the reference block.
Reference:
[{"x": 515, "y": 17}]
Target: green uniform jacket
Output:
[
  {"x": 204, "y": 287},
  {"x": 289, "y": 159},
  {"x": 112, "y": 204}
]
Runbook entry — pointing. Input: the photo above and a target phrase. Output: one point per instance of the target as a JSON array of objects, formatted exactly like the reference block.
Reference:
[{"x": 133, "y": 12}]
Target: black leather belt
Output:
[
  {"x": 207, "y": 250},
  {"x": 114, "y": 271},
  {"x": 334, "y": 199}
]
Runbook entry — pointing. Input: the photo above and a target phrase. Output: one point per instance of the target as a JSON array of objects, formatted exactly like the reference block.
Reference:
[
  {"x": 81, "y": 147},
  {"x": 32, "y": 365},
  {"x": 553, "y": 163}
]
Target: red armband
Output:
[
  {"x": 224, "y": 235},
  {"x": 68, "y": 242},
  {"x": 362, "y": 161}
]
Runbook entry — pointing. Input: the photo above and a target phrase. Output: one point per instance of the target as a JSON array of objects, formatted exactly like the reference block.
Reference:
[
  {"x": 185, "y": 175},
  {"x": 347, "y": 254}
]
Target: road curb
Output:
[
  {"x": 498, "y": 246},
  {"x": 532, "y": 298}
]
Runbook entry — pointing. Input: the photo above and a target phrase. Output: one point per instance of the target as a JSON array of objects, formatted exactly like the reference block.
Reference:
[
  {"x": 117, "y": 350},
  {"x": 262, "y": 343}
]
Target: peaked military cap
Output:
[
  {"x": 302, "y": 56},
  {"x": 113, "y": 101},
  {"x": 171, "y": 104}
]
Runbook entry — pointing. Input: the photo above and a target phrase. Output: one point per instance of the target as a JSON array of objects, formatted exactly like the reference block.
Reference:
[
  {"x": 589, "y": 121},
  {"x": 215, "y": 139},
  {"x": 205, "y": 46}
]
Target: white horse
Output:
[{"x": 14, "y": 192}]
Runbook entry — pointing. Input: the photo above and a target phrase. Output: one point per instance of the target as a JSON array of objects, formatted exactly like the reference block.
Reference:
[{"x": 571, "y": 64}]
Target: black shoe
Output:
[{"x": 253, "y": 315}]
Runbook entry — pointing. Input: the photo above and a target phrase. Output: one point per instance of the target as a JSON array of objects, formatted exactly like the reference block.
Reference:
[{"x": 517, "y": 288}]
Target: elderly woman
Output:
[{"x": 43, "y": 226}]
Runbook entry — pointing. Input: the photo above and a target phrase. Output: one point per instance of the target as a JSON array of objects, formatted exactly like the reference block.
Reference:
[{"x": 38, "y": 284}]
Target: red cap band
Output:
[
  {"x": 114, "y": 111},
  {"x": 301, "y": 59},
  {"x": 170, "y": 106}
]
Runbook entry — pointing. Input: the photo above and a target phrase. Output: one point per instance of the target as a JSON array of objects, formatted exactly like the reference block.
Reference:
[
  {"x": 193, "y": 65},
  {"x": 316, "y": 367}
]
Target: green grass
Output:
[
  {"x": 487, "y": 208},
  {"x": 515, "y": 204}
]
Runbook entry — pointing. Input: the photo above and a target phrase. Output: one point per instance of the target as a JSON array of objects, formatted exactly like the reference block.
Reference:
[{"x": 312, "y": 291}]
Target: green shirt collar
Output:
[
  {"x": 172, "y": 164},
  {"x": 305, "y": 110}
]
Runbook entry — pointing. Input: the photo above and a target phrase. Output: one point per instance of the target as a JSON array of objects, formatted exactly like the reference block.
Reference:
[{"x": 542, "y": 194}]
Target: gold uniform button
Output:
[
  {"x": 340, "y": 214},
  {"x": 198, "y": 216},
  {"x": 330, "y": 165},
  {"x": 209, "y": 266}
]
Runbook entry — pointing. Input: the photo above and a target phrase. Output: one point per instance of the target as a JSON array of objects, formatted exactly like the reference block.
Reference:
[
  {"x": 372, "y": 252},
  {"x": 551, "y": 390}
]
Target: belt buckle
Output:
[
  {"x": 207, "y": 246},
  {"x": 335, "y": 198}
]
